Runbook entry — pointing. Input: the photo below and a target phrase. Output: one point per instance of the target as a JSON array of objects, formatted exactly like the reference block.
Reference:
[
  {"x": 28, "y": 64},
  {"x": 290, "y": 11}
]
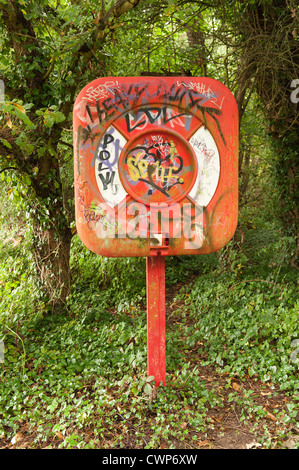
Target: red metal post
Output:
[{"x": 156, "y": 345}]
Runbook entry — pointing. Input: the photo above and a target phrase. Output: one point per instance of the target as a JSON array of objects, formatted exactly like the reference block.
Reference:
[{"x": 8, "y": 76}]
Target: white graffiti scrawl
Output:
[
  {"x": 205, "y": 91},
  {"x": 208, "y": 161},
  {"x": 101, "y": 91}
]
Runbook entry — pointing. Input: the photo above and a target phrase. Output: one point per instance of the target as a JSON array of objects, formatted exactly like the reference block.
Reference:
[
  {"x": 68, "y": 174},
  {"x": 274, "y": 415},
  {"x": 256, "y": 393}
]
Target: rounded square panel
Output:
[{"x": 156, "y": 165}]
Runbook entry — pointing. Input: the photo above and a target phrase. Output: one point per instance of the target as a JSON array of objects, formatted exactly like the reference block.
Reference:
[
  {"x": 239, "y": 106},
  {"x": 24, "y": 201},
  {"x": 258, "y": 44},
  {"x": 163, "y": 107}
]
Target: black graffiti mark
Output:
[
  {"x": 87, "y": 133},
  {"x": 211, "y": 112},
  {"x": 107, "y": 179},
  {"x": 108, "y": 139},
  {"x": 174, "y": 95},
  {"x": 128, "y": 98},
  {"x": 177, "y": 95},
  {"x": 103, "y": 110},
  {"x": 161, "y": 112},
  {"x": 157, "y": 155},
  {"x": 153, "y": 185},
  {"x": 120, "y": 101},
  {"x": 89, "y": 112},
  {"x": 102, "y": 168},
  {"x": 179, "y": 169},
  {"x": 162, "y": 190},
  {"x": 104, "y": 155},
  {"x": 165, "y": 171},
  {"x": 193, "y": 99}
]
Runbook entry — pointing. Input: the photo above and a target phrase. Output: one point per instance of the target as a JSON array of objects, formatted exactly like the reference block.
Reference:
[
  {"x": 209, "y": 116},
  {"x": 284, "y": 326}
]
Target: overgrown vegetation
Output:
[
  {"x": 79, "y": 380},
  {"x": 75, "y": 360}
]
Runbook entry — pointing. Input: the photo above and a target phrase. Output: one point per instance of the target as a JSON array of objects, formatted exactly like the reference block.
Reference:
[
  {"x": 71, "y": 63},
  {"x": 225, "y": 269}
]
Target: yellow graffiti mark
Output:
[
  {"x": 173, "y": 150},
  {"x": 143, "y": 169},
  {"x": 139, "y": 167},
  {"x": 133, "y": 170}
]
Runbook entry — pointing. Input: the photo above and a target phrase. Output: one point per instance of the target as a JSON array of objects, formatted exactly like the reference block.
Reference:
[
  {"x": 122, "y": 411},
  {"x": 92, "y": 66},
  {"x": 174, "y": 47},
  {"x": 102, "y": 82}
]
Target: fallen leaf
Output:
[
  {"x": 236, "y": 386},
  {"x": 153, "y": 394},
  {"x": 271, "y": 416},
  {"x": 253, "y": 444},
  {"x": 291, "y": 442},
  {"x": 217, "y": 419},
  {"x": 59, "y": 435},
  {"x": 204, "y": 443},
  {"x": 18, "y": 437},
  {"x": 20, "y": 108}
]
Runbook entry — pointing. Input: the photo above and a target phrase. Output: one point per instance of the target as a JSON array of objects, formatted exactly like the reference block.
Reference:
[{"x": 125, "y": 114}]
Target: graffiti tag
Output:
[{"x": 156, "y": 163}]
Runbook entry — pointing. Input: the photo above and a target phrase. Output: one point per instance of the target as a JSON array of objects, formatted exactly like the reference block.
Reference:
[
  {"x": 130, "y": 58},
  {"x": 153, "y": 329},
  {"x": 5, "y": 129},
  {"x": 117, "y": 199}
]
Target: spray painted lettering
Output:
[
  {"x": 156, "y": 163},
  {"x": 101, "y": 91},
  {"x": 105, "y": 161},
  {"x": 153, "y": 115},
  {"x": 191, "y": 97}
]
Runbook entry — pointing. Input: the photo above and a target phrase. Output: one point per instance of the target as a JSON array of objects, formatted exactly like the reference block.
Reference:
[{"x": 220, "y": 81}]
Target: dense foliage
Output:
[{"x": 73, "y": 324}]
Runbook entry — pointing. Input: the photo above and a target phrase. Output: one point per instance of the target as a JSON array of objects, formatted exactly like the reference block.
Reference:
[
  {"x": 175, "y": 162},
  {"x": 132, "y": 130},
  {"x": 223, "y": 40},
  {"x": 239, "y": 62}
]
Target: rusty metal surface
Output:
[
  {"x": 156, "y": 345},
  {"x": 156, "y": 165}
]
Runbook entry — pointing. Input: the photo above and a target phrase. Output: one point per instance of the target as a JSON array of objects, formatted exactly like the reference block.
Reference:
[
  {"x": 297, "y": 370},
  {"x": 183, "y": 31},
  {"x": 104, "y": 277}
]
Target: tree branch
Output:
[
  {"x": 103, "y": 28},
  {"x": 8, "y": 168},
  {"x": 106, "y": 25},
  {"x": 18, "y": 27}
]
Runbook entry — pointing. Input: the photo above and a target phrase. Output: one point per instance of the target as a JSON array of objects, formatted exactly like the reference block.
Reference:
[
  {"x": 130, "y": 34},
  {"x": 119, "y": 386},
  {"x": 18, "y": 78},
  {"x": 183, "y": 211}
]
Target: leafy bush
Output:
[
  {"x": 81, "y": 372},
  {"x": 247, "y": 326}
]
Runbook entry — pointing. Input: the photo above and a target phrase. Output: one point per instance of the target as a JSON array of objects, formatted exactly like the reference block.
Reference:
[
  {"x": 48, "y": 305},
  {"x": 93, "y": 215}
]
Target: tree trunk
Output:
[
  {"x": 197, "y": 43},
  {"x": 51, "y": 231},
  {"x": 52, "y": 256},
  {"x": 270, "y": 34}
]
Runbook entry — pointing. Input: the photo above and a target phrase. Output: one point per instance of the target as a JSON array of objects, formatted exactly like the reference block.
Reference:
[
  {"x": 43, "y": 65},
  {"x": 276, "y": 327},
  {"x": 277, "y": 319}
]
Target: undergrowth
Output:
[{"x": 78, "y": 378}]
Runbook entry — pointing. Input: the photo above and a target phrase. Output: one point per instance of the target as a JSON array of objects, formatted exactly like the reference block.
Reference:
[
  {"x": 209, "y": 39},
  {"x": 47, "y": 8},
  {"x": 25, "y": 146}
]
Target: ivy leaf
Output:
[
  {"x": 53, "y": 117},
  {"x": 17, "y": 110},
  {"x": 52, "y": 406},
  {"x": 150, "y": 378},
  {"x": 58, "y": 116},
  {"x": 6, "y": 143},
  {"x": 147, "y": 389}
]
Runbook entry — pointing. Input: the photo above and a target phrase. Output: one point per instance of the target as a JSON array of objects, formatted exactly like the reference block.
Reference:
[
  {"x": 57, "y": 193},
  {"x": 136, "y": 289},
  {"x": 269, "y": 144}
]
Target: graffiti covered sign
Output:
[{"x": 156, "y": 165}]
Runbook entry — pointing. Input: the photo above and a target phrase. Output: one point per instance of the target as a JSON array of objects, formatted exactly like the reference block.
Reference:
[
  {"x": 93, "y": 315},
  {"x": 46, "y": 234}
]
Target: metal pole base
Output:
[{"x": 156, "y": 344}]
